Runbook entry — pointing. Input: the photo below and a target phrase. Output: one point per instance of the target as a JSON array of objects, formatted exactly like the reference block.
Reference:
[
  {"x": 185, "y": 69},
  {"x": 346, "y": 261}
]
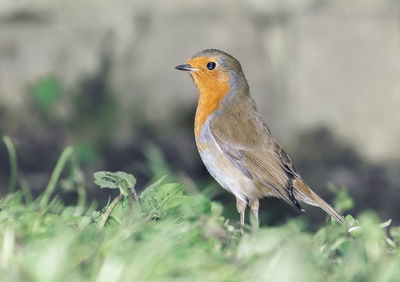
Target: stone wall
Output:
[{"x": 309, "y": 63}]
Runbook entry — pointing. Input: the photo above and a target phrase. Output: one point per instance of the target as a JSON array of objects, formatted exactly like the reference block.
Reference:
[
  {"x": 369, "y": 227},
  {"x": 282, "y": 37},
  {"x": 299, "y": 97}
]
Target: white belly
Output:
[{"x": 223, "y": 170}]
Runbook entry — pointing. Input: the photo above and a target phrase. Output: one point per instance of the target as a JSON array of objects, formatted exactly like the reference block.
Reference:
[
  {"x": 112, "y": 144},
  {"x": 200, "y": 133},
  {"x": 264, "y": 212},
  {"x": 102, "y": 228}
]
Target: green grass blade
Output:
[
  {"x": 81, "y": 196},
  {"x": 65, "y": 156},
  {"x": 26, "y": 190}
]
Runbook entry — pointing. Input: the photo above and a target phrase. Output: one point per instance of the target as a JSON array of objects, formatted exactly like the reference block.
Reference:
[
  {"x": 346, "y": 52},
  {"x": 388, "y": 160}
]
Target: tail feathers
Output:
[{"x": 305, "y": 194}]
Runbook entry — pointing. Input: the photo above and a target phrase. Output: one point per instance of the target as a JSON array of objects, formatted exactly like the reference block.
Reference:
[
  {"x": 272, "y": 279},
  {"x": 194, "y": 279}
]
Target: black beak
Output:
[{"x": 185, "y": 67}]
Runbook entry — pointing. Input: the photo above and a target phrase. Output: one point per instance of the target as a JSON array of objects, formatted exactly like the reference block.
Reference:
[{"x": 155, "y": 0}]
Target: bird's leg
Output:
[
  {"x": 254, "y": 205},
  {"x": 241, "y": 208}
]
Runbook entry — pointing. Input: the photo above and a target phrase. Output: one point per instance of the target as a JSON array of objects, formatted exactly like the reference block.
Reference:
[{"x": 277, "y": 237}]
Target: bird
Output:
[{"x": 235, "y": 143}]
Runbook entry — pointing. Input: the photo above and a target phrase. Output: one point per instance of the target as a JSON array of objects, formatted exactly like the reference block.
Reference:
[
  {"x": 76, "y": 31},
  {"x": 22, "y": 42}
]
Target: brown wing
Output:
[
  {"x": 246, "y": 140},
  {"x": 248, "y": 143}
]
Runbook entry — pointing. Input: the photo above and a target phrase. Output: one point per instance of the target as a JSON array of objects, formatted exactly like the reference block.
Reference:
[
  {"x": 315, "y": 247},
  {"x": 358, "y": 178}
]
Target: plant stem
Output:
[
  {"x": 135, "y": 195},
  {"x": 109, "y": 210}
]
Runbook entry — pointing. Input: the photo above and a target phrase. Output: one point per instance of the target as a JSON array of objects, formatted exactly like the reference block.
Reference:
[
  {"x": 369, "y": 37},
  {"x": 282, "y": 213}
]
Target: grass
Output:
[{"x": 170, "y": 236}]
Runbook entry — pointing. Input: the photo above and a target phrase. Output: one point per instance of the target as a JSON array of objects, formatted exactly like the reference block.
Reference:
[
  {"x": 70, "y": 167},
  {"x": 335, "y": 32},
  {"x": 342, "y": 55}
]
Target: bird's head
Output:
[{"x": 214, "y": 71}]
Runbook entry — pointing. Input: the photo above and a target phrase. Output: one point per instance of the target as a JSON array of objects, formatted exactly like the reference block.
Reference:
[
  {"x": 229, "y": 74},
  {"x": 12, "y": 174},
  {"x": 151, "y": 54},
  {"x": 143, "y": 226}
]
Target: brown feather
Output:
[{"x": 301, "y": 187}]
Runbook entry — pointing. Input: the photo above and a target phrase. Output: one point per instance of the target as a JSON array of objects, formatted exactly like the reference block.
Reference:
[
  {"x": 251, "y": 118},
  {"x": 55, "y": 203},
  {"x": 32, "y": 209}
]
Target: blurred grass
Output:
[
  {"x": 12, "y": 161},
  {"x": 171, "y": 236}
]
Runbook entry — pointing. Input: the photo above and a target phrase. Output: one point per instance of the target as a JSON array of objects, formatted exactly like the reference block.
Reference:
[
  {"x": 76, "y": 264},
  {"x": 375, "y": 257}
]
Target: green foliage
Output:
[
  {"x": 46, "y": 92},
  {"x": 159, "y": 200},
  {"x": 169, "y": 236},
  {"x": 112, "y": 180},
  {"x": 343, "y": 202},
  {"x": 85, "y": 153},
  {"x": 157, "y": 166}
]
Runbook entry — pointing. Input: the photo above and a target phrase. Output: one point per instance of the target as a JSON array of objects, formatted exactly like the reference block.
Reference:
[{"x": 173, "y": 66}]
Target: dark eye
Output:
[{"x": 211, "y": 65}]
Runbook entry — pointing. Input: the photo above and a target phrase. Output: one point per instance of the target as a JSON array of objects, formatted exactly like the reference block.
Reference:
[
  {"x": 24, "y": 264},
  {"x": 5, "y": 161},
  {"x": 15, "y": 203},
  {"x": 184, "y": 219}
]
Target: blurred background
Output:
[{"x": 99, "y": 75}]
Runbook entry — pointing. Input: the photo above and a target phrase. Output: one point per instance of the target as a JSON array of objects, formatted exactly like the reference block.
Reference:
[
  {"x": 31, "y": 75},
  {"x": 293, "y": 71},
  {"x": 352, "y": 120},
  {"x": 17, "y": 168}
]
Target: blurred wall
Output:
[{"x": 309, "y": 63}]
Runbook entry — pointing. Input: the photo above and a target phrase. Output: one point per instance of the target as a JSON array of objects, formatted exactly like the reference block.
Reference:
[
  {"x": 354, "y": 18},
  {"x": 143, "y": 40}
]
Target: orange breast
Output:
[{"x": 213, "y": 87}]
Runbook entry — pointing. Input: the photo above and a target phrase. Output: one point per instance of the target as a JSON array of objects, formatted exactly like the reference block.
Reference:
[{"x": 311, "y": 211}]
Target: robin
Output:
[{"x": 235, "y": 143}]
